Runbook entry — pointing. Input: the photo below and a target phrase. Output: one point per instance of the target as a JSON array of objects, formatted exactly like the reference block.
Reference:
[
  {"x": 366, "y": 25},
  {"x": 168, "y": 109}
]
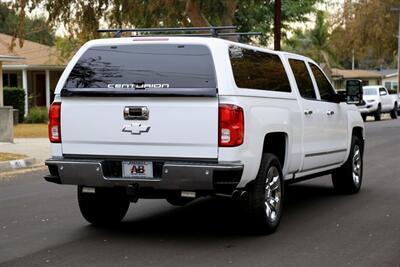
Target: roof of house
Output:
[
  {"x": 32, "y": 52},
  {"x": 355, "y": 74},
  {"x": 8, "y": 58},
  {"x": 388, "y": 72}
]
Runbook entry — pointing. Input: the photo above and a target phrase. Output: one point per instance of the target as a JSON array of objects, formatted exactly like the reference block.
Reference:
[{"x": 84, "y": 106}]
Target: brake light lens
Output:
[
  {"x": 54, "y": 122},
  {"x": 231, "y": 125}
]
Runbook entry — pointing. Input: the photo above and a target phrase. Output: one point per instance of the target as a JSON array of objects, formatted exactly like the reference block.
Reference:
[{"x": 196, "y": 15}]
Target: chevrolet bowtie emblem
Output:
[{"x": 136, "y": 128}]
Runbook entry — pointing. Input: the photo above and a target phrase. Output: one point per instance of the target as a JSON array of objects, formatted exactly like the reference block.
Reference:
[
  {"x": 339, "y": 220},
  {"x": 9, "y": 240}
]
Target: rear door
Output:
[
  {"x": 334, "y": 128},
  {"x": 314, "y": 143},
  {"x": 386, "y": 99},
  {"x": 141, "y": 100}
]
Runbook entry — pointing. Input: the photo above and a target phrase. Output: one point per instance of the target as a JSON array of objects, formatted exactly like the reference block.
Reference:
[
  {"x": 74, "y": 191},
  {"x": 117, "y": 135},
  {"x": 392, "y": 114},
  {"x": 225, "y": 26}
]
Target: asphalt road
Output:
[{"x": 40, "y": 224}]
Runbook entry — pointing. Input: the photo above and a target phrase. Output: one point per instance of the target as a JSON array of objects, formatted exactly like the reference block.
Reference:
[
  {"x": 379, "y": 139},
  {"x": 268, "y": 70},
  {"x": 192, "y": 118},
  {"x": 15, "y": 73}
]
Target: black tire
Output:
[
  {"x": 394, "y": 112},
  {"x": 364, "y": 117},
  {"x": 105, "y": 207},
  {"x": 176, "y": 200},
  {"x": 377, "y": 113},
  {"x": 348, "y": 178},
  {"x": 255, "y": 204}
]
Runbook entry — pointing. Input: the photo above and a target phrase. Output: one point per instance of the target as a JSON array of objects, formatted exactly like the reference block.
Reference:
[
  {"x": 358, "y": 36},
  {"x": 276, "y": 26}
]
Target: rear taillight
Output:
[
  {"x": 54, "y": 122},
  {"x": 231, "y": 125}
]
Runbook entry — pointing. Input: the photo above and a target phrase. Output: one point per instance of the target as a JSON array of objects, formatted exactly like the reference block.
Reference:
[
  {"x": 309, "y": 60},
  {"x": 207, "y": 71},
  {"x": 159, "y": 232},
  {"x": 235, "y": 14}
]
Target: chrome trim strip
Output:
[{"x": 325, "y": 153}]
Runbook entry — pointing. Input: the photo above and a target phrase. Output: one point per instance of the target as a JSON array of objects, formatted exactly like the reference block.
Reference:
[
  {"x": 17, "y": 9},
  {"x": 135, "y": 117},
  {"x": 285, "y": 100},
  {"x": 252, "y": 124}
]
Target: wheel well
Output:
[
  {"x": 275, "y": 143},
  {"x": 358, "y": 131}
]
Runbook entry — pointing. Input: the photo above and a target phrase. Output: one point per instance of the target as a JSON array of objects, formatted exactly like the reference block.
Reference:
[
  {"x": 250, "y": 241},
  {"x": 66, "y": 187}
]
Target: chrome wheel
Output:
[
  {"x": 273, "y": 194},
  {"x": 357, "y": 165}
]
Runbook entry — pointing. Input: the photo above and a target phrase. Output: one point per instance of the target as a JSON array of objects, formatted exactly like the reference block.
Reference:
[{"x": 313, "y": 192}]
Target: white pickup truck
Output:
[
  {"x": 183, "y": 117},
  {"x": 377, "y": 101}
]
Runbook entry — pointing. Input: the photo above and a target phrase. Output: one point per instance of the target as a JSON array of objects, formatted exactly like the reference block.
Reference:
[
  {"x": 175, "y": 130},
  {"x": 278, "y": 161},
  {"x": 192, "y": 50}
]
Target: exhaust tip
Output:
[{"x": 236, "y": 195}]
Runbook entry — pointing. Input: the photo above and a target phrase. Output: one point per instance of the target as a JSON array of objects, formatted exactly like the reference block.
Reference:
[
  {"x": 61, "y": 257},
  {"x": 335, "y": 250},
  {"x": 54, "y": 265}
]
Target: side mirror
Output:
[
  {"x": 354, "y": 92},
  {"x": 382, "y": 93}
]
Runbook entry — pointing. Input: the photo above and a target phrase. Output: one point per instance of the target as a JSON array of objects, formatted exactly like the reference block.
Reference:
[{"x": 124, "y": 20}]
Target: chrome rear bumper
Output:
[{"x": 171, "y": 175}]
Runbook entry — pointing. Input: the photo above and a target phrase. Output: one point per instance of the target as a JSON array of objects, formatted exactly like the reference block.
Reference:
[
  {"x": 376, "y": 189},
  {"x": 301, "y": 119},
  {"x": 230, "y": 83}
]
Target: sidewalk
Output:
[{"x": 37, "y": 150}]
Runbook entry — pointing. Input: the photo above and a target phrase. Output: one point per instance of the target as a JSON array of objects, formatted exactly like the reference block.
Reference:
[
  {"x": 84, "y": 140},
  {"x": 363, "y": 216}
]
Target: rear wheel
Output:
[
  {"x": 377, "y": 113},
  {"x": 348, "y": 178},
  {"x": 265, "y": 196},
  {"x": 394, "y": 112},
  {"x": 104, "y": 207}
]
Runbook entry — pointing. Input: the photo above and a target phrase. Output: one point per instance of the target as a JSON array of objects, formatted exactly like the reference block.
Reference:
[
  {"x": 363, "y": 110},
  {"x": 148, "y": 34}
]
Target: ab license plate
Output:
[{"x": 137, "y": 169}]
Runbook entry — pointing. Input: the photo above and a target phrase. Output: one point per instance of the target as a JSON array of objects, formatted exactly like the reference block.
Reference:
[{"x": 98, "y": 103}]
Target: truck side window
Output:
[
  {"x": 303, "y": 79},
  {"x": 325, "y": 88},
  {"x": 382, "y": 91},
  {"x": 253, "y": 69}
]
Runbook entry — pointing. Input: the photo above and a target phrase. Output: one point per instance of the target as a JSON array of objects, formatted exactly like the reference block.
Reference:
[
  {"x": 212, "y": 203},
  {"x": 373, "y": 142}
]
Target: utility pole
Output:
[
  {"x": 277, "y": 25},
  {"x": 397, "y": 9}
]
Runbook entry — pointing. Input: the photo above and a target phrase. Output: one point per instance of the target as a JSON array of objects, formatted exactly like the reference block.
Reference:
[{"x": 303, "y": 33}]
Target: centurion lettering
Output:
[{"x": 138, "y": 86}]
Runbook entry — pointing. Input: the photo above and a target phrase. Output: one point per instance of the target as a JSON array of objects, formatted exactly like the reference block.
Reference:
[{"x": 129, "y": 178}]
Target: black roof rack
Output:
[{"x": 213, "y": 31}]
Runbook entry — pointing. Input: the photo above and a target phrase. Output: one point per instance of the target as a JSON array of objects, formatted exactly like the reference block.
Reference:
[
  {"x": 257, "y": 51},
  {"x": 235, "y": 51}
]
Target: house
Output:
[
  {"x": 339, "y": 77},
  {"x": 37, "y": 73}
]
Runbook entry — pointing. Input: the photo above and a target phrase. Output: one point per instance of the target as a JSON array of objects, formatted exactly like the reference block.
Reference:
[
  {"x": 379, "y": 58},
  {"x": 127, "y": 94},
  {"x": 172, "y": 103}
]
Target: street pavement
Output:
[{"x": 40, "y": 224}]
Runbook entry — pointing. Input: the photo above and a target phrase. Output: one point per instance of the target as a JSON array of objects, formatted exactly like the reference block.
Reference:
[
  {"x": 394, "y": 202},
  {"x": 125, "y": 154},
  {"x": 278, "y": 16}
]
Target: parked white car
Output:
[
  {"x": 377, "y": 101},
  {"x": 184, "y": 117}
]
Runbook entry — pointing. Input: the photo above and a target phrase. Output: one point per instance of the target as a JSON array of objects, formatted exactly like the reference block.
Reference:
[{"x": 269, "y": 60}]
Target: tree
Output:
[
  {"x": 314, "y": 43},
  {"x": 368, "y": 27},
  {"x": 82, "y": 18},
  {"x": 35, "y": 29}
]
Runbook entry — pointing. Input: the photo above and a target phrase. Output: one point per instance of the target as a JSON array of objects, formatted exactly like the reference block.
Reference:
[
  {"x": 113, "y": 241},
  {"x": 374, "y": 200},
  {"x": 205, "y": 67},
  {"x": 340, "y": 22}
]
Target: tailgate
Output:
[
  {"x": 174, "y": 85},
  {"x": 183, "y": 127}
]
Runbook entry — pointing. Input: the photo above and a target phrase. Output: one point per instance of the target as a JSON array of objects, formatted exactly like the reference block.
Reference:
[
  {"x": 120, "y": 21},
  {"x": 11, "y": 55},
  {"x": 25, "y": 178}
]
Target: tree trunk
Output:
[
  {"x": 228, "y": 17},
  {"x": 193, "y": 11}
]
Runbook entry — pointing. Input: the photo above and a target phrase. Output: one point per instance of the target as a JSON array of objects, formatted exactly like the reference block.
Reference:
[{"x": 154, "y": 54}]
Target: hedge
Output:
[
  {"x": 37, "y": 115},
  {"x": 15, "y": 97}
]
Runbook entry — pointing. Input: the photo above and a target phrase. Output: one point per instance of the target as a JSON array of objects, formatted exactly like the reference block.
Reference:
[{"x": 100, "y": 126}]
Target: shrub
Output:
[
  {"x": 37, "y": 115},
  {"x": 15, "y": 97}
]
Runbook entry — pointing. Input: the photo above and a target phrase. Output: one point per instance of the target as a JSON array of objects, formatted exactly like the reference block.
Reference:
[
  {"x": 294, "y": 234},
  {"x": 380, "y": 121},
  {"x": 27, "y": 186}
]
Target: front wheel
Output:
[
  {"x": 377, "y": 113},
  {"x": 394, "y": 112},
  {"x": 104, "y": 206},
  {"x": 348, "y": 178},
  {"x": 265, "y": 199}
]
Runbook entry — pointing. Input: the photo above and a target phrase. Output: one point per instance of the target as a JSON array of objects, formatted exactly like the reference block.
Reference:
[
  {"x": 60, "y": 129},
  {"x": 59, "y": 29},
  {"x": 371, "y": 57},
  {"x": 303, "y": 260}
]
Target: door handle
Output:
[
  {"x": 307, "y": 112},
  {"x": 330, "y": 112}
]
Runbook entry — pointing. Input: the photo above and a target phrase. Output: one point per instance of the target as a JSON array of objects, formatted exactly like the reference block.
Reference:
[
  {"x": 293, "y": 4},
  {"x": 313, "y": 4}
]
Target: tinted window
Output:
[
  {"x": 325, "y": 88},
  {"x": 303, "y": 79},
  {"x": 258, "y": 70},
  {"x": 382, "y": 91},
  {"x": 125, "y": 67}
]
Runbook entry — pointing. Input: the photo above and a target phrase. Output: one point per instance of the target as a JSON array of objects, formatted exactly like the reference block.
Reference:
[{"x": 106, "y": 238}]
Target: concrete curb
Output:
[{"x": 17, "y": 164}]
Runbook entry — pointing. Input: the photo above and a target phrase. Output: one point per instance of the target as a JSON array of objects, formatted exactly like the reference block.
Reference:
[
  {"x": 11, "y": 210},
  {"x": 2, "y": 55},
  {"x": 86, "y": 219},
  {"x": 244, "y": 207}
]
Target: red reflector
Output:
[
  {"x": 231, "y": 125},
  {"x": 54, "y": 122}
]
